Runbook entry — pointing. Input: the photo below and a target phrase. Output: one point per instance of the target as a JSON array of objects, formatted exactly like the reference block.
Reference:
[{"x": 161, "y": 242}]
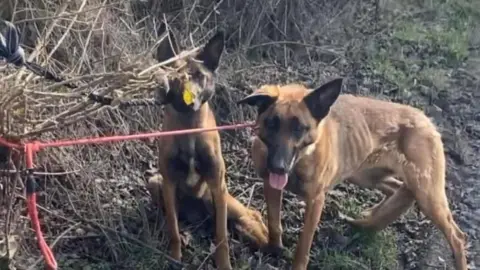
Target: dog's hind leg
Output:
[
  {"x": 376, "y": 178},
  {"x": 436, "y": 209},
  {"x": 387, "y": 211},
  {"x": 425, "y": 175},
  {"x": 247, "y": 221}
]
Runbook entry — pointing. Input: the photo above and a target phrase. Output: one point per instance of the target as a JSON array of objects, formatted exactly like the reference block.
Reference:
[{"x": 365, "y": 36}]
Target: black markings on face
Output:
[
  {"x": 297, "y": 128},
  {"x": 293, "y": 125},
  {"x": 272, "y": 123},
  {"x": 195, "y": 73}
]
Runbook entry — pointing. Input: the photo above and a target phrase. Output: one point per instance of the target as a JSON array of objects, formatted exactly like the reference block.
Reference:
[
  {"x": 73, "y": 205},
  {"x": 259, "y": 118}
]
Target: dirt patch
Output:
[{"x": 460, "y": 129}]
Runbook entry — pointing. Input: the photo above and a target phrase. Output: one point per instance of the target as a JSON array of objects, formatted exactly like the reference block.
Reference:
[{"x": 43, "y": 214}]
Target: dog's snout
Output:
[
  {"x": 277, "y": 166},
  {"x": 278, "y": 160}
]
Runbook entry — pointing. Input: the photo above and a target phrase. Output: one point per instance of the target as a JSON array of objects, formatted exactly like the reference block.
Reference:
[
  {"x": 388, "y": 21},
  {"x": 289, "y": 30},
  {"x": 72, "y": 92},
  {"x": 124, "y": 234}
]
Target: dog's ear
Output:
[
  {"x": 168, "y": 47},
  {"x": 321, "y": 99},
  {"x": 212, "y": 51},
  {"x": 260, "y": 100}
]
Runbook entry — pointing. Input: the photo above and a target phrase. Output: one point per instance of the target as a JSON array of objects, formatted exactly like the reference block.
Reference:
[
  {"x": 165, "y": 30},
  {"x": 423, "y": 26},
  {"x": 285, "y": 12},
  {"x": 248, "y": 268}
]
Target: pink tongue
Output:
[{"x": 278, "y": 181}]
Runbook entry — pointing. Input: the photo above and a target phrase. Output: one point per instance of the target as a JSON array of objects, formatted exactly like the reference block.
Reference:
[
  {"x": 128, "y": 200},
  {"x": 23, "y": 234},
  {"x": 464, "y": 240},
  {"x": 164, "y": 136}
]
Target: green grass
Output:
[
  {"x": 436, "y": 39},
  {"x": 424, "y": 43},
  {"x": 365, "y": 250},
  {"x": 374, "y": 251}
]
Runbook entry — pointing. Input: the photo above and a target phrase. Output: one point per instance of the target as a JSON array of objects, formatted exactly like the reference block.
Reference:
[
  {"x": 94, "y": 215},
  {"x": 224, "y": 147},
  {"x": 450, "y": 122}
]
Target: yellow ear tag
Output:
[{"x": 187, "y": 93}]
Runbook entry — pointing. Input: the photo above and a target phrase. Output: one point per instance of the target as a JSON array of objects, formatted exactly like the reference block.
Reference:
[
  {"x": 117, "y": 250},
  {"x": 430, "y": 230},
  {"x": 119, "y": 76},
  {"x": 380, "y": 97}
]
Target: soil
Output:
[{"x": 460, "y": 124}]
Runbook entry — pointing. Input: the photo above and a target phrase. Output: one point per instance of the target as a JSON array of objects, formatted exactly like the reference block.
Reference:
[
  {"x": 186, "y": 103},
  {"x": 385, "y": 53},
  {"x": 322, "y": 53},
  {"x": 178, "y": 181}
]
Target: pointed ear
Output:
[
  {"x": 321, "y": 99},
  {"x": 260, "y": 100},
  {"x": 168, "y": 47},
  {"x": 210, "y": 55}
]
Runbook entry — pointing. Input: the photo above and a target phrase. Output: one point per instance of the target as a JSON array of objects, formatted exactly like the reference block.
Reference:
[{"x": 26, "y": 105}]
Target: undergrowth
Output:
[{"x": 422, "y": 44}]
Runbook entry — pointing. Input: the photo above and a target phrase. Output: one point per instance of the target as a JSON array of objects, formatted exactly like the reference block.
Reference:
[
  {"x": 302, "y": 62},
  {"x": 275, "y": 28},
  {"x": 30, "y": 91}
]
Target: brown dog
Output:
[
  {"x": 309, "y": 140},
  {"x": 192, "y": 165}
]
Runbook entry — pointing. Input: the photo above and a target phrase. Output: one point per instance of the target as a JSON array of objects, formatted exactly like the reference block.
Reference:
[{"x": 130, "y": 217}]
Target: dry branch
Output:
[{"x": 137, "y": 83}]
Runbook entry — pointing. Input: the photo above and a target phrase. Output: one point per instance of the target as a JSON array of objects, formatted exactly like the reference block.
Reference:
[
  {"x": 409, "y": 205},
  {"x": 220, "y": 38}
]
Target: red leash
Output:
[
  {"x": 32, "y": 148},
  {"x": 108, "y": 139},
  {"x": 32, "y": 209},
  {"x": 33, "y": 213}
]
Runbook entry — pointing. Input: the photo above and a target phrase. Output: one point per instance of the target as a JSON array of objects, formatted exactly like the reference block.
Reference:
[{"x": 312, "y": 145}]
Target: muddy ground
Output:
[{"x": 460, "y": 124}]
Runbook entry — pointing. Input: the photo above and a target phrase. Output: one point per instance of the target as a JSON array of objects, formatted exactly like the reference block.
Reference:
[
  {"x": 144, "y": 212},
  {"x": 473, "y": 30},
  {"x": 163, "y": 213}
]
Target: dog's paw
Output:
[
  {"x": 360, "y": 222},
  {"x": 345, "y": 217},
  {"x": 176, "y": 251},
  {"x": 154, "y": 187},
  {"x": 156, "y": 180},
  {"x": 252, "y": 226},
  {"x": 256, "y": 216},
  {"x": 185, "y": 238},
  {"x": 366, "y": 213}
]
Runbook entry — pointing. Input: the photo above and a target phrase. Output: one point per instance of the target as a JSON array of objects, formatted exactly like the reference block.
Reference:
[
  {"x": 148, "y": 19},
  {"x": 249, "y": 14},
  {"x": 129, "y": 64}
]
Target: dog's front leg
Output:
[
  {"x": 169, "y": 193},
  {"x": 273, "y": 198},
  {"x": 314, "y": 207},
  {"x": 219, "y": 195}
]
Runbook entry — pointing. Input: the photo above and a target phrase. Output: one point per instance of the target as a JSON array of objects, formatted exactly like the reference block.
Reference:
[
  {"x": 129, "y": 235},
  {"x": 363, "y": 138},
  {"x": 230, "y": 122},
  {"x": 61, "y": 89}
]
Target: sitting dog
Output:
[
  {"x": 309, "y": 140},
  {"x": 192, "y": 164}
]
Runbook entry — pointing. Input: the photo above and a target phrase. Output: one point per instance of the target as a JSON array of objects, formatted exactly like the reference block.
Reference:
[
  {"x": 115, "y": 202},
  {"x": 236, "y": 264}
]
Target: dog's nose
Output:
[{"x": 277, "y": 166}]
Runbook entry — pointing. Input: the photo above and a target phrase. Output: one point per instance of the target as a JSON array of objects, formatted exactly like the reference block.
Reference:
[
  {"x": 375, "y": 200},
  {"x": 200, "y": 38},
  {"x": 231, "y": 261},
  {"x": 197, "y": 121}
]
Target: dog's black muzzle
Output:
[{"x": 280, "y": 159}]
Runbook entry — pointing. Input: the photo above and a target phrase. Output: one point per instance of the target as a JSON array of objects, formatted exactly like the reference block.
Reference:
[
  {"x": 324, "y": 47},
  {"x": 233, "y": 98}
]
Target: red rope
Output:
[
  {"x": 107, "y": 139},
  {"x": 32, "y": 148},
  {"x": 44, "y": 248},
  {"x": 32, "y": 209},
  {"x": 9, "y": 144}
]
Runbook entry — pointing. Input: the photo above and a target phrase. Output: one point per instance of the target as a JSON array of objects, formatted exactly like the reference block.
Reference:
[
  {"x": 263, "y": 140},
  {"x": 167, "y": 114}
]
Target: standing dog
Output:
[
  {"x": 192, "y": 164},
  {"x": 309, "y": 140}
]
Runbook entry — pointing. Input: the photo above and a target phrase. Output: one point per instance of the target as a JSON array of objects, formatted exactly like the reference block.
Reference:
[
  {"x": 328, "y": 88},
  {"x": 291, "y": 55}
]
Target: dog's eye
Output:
[
  {"x": 300, "y": 129},
  {"x": 271, "y": 123}
]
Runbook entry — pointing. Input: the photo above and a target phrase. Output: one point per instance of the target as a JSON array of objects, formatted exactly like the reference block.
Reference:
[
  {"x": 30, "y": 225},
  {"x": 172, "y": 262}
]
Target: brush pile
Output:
[{"x": 33, "y": 105}]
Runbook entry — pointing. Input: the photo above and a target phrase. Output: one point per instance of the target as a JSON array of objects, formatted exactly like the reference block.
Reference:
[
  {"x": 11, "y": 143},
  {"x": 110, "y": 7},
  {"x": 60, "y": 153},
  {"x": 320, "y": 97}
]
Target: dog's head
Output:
[
  {"x": 288, "y": 120},
  {"x": 195, "y": 85}
]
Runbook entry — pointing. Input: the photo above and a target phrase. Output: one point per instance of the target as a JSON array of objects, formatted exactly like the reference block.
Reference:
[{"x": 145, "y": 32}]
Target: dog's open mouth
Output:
[{"x": 278, "y": 181}]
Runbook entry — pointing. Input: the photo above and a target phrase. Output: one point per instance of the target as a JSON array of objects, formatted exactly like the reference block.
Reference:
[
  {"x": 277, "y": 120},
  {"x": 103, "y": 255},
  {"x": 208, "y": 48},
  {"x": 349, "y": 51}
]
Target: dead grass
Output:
[{"x": 96, "y": 206}]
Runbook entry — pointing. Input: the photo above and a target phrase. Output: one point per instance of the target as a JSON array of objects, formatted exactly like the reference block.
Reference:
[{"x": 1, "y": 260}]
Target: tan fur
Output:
[
  {"x": 371, "y": 143},
  {"x": 193, "y": 165}
]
